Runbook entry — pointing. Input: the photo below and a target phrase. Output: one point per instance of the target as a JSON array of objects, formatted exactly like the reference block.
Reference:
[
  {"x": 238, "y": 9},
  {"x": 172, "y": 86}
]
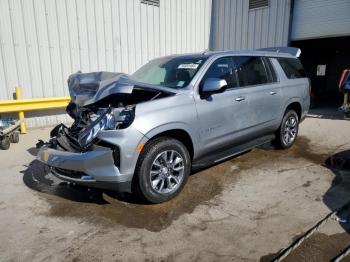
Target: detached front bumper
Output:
[{"x": 94, "y": 168}]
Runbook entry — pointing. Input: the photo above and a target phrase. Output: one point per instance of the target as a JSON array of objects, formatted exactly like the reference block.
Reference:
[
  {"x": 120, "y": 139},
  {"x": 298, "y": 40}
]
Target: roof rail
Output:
[{"x": 288, "y": 50}]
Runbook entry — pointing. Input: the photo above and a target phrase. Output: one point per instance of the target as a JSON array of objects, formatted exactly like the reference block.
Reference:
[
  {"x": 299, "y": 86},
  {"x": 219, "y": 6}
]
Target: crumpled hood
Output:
[{"x": 88, "y": 88}]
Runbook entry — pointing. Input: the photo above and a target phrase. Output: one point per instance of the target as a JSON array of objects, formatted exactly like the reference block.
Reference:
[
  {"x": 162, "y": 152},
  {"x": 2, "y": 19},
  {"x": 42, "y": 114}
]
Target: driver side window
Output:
[{"x": 223, "y": 68}]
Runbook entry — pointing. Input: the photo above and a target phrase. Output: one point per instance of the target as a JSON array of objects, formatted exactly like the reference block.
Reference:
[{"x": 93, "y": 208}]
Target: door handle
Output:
[
  {"x": 240, "y": 98},
  {"x": 273, "y": 93}
]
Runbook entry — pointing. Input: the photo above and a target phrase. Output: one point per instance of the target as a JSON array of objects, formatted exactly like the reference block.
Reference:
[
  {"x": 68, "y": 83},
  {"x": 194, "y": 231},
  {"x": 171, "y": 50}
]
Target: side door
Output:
[
  {"x": 258, "y": 77},
  {"x": 221, "y": 116}
]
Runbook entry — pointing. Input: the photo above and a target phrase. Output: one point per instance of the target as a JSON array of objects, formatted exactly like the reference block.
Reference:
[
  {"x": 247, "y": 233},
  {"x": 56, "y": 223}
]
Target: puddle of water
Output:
[
  {"x": 104, "y": 208},
  {"x": 318, "y": 248}
]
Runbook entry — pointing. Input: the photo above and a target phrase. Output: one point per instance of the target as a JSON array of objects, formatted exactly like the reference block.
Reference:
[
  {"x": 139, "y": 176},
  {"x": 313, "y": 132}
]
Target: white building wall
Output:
[
  {"x": 43, "y": 41},
  {"x": 320, "y": 18},
  {"x": 234, "y": 26}
]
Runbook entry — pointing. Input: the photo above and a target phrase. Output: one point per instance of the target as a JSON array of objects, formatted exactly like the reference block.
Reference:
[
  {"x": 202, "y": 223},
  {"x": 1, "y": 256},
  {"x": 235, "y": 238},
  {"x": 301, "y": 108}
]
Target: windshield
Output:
[{"x": 174, "y": 72}]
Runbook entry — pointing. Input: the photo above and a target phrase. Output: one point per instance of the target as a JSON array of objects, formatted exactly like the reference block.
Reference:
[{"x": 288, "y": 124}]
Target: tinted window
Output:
[
  {"x": 223, "y": 68},
  {"x": 250, "y": 70},
  {"x": 292, "y": 67}
]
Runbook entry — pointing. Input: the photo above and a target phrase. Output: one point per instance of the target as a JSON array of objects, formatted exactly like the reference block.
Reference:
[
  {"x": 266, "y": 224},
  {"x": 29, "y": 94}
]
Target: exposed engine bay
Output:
[{"x": 100, "y": 101}]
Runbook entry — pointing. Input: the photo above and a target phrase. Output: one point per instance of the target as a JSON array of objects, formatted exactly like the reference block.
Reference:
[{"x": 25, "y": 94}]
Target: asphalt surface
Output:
[{"x": 247, "y": 208}]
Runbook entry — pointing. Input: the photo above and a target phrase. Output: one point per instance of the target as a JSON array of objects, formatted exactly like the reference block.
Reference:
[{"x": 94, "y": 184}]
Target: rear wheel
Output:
[
  {"x": 162, "y": 170},
  {"x": 288, "y": 130}
]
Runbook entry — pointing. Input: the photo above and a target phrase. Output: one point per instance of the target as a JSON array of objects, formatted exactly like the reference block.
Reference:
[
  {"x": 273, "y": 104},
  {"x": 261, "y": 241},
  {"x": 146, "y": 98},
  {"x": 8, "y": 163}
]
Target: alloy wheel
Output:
[
  {"x": 290, "y": 130},
  {"x": 167, "y": 172}
]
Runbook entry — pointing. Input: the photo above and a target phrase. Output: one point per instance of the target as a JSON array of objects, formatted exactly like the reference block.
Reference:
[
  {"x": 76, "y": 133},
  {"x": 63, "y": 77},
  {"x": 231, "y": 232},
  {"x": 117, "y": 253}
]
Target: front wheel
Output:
[
  {"x": 288, "y": 131},
  {"x": 162, "y": 170}
]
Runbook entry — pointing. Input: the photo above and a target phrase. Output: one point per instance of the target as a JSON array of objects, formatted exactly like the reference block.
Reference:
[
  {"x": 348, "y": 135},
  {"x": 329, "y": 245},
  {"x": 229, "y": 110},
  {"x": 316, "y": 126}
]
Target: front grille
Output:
[{"x": 64, "y": 142}]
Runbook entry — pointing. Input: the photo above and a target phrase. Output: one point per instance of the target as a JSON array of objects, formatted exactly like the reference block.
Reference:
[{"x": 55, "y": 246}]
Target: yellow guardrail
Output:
[{"x": 20, "y": 105}]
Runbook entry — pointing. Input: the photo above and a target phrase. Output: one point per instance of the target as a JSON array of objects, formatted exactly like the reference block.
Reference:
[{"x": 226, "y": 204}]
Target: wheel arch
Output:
[
  {"x": 180, "y": 134},
  {"x": 296, "y": 106}
]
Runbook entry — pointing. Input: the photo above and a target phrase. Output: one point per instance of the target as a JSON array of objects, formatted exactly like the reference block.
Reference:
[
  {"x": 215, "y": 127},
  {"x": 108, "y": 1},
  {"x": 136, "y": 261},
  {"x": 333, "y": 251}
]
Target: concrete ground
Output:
[{"x": 245, "y": 209}]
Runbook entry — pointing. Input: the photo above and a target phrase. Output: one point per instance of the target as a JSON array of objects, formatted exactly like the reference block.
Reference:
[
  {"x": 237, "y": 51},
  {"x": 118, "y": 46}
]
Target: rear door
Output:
[{"x": 258, "y": 77}]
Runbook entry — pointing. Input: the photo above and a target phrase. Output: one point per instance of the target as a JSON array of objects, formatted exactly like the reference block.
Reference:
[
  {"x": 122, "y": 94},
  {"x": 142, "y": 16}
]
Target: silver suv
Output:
[{"x": 145, "y": 132}]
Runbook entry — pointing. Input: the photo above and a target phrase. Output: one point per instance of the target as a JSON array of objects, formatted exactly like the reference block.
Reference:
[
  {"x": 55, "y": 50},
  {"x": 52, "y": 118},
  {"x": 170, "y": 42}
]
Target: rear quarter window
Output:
[{"x": 292, "y": 67}]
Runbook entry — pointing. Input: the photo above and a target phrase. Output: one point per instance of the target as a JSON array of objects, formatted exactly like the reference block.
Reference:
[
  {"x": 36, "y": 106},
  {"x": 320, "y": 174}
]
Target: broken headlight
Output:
[{"x": 106, "y": 121}]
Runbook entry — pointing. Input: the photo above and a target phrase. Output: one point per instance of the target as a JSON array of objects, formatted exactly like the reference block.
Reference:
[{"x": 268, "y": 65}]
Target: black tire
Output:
[
  {"x": 14, "y": 138},
  {"x": 281, "y": 139},
  {"x": 152, "y": 151},
  {"x": 5, "y": 143}
]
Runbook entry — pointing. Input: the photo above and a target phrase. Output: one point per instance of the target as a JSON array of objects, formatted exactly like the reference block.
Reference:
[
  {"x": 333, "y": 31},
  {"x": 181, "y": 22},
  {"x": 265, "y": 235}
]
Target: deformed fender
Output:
[{"x": 176, "y": 112}]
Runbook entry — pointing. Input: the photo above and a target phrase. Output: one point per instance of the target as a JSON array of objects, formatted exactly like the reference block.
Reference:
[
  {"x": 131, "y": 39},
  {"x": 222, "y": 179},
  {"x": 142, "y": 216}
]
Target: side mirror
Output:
[{"x": 213, "y": 86}]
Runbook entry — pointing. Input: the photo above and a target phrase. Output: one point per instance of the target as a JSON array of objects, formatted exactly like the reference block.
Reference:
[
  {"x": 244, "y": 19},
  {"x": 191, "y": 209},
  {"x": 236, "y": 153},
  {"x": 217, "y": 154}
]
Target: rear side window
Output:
[
  {"x": 223, "y": 68},
  {"x": 292, "y": 67},
  {"x": 251, "y": 70}
]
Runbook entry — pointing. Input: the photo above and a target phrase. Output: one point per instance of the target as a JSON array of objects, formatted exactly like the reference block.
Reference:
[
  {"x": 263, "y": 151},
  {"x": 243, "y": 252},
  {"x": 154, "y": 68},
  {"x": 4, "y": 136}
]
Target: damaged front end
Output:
[
  {"x": 88, "y": 122},
  {"x": 100, "y": 101},
  {"x": 91, "y": 150}
]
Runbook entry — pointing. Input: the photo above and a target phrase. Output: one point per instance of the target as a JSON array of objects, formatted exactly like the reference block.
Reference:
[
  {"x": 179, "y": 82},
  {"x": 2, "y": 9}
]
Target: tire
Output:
[
  {"x": 288, "y": 131},
  {"x": 5, "y": 143},
  {"x": 157, "y": 180},
  {"x": 14, "y": 138}
]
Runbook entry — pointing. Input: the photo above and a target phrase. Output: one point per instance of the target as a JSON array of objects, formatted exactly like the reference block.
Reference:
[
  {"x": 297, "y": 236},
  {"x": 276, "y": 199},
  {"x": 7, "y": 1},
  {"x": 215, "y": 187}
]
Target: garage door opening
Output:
[{"x": 324, "y": 60}]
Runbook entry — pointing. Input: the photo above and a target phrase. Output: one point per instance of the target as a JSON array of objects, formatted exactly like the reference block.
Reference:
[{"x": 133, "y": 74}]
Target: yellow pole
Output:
[{"x": 21, "y": 114}]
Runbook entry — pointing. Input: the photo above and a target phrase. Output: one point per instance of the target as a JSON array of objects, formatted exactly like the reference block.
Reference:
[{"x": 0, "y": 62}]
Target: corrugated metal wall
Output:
[
  {"x": 44, "y": 41},
  {"x": 320, "y": 18},
  {"x": 234, "y": 26}
]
